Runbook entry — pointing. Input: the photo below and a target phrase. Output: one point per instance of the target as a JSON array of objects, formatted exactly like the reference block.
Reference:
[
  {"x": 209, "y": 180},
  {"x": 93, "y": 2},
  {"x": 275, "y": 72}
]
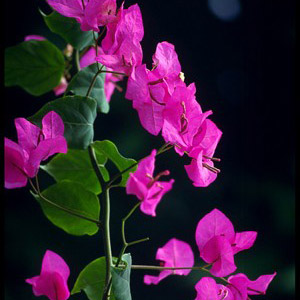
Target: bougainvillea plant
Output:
[{"x": 103, "y": 42}]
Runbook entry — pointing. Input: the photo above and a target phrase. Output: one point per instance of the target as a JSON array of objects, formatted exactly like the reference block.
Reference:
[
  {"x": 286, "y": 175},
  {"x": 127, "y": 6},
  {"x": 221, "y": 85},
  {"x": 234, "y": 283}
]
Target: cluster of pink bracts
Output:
[
  {"x": 163, "y": 101},
  {"x": 217, "y": 243},
  {"x": 22, "y": 159}
]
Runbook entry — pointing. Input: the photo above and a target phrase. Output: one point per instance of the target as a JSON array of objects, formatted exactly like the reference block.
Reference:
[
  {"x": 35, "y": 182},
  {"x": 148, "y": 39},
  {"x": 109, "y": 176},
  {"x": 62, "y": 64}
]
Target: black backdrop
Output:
[{"x": 244, "y": 71}]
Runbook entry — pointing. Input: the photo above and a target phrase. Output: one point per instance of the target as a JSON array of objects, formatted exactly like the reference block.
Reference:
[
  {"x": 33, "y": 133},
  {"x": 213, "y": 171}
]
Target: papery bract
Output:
[
  {"x": 241, "y": 286},
  {"x": 100, "y": 13},
  {"x": 166, "y": 65},
  {"x": 199, "y": 171},
  {"x": 150, "y": 90},
  {"x": 72, "y": 9},
  {"x": 208, "y": 289},
  {"x": 23, "y": 160},
  {"x": 174, "y": 253},
  {"x": 61, "y": 88},
  {"x": 182, "y": 118},
  {"x": 14, "y": 170},
  {"x": 206, "y": 139},
  {"x": 52, "y": 281},
  {"x": 218, "y": 242},
  {"x": 121, "y": 46},
  {"x": 146, "y": 188},
  {"x": 34, "y": 37}
]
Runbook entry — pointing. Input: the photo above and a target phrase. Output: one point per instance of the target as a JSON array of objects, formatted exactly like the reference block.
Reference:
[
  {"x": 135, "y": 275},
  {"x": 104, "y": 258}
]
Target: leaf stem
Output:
[
  {"x": 93, "y": 82},
  {"x": 125, "y": 243},
  {"x": 77, "y": 61},
  {"x": 158, "y": 268},
  {"x": 67, "y": 210},
  {"x": 105, "y": 218}
]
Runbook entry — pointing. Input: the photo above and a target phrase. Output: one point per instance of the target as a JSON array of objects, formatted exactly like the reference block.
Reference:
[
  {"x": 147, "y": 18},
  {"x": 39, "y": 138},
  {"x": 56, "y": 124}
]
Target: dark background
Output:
[{"x": 240, "y": 54}]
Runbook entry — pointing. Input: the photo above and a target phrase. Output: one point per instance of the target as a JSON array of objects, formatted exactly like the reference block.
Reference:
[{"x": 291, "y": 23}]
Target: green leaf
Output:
[
  {"x": 69, "y": 30},
  {"x": 78, "y": 114},
  {"x": 92, "y": 279},
  {"x": 73, "y": 196},
  {"x": 36, "y": 66},
  {"x": 121, "y": 279},
  {"x": 109, "y": 149},
  {"x": 76, "y": 166},
  {"x": 81, "y": 82}
]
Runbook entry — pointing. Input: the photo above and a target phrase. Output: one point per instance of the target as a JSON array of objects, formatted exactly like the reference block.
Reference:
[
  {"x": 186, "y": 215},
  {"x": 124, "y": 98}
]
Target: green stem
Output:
[
  {"x": 125, "y": 243},
  {"x": 67, "y": 210},
  {"x": 105, "y": 218},
  {"x": 113, "y": 72},
  {"x": 158, "y": 268},
  {"x": 93, "y": 82},
  {"x": 77, "y": 61}
]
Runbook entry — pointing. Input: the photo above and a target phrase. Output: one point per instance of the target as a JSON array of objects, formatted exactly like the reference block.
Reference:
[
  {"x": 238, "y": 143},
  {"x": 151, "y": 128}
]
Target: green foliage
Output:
[
  {"x": 81, "y": 82},
  {"x": 109, "y": 150},
  {"x": 69, "y": 30},
  {"x": 121, "y": 279},
  {"x": 78, "y": 114},
  {"x": 76, "y": 166},
  {"x": 73, "y": 196},
  {"x": 92, "y": 279},
  {"x": 36, "y": 66}
]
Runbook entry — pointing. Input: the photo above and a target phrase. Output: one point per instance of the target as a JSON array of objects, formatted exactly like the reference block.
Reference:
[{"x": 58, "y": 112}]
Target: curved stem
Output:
[
  {"x": 113, "y": 72},
  {"x": 158, "y": 268},
  {"x": 93, "y": 82},
  {"x": 125, "y": 243},
  {"x": 105, "y": 218},
  {"x": 67, "y": 210}
]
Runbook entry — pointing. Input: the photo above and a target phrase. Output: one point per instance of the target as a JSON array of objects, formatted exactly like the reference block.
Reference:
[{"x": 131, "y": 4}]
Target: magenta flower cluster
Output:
[
  {"x": 217, "y": 243},
  {"x": 162, "y": 99},
  {"x": 22, "y": 159}
]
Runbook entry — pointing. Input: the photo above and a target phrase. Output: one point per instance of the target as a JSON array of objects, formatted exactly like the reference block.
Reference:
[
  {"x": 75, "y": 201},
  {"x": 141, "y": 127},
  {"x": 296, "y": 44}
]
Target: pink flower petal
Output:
[
  {"x": 70, "y": 8},
  {"x": 166, "y": 60},
  {"x": 61, "y": 88},
  {"x": 29, "y": 135},
  {"x": 121, "y": 45},
  {"x": 218, "y": 252},
  {"x": 145, "y": 168},
  {"x": 207, "y": 289},
  {"x": 136, "y": 187},
  {"x": 206, "y": 140},
  {"x": 34, "y": 37},
  {"x": 182, "y": 118},
  {"x": 100, "y": 13},
  {"x": 46, "y": 149},
  {"x": 14, "y": 162},
  {"x": 88, "y": 58},
  {"x": 260, "y": 285},
  {"x": 213, "y": 224},
  {"x": 244, "y": 240},
  {"x": 52, "y": 282},
  {"x": 174, "y": 253},
  {"x": 52, "y": 125},
  {"x": 155, "y": 193},
  {"x": 200, "y": 175}
]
